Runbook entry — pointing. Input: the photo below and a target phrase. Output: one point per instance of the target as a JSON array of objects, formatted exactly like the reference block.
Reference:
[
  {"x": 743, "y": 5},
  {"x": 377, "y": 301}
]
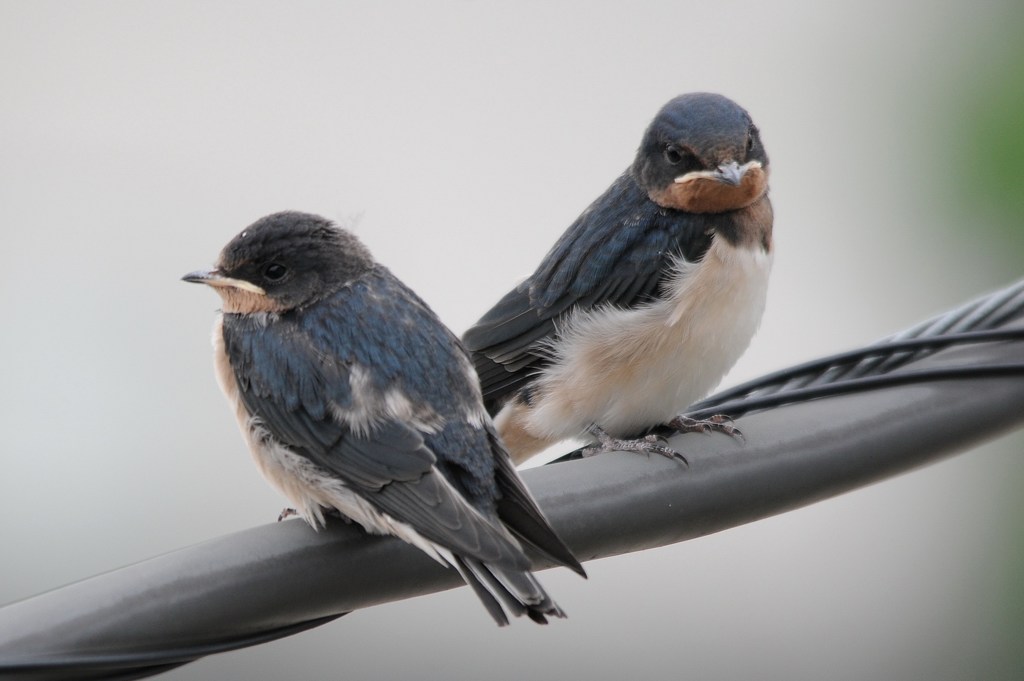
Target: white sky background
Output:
[{"x": 137, "y": 138}]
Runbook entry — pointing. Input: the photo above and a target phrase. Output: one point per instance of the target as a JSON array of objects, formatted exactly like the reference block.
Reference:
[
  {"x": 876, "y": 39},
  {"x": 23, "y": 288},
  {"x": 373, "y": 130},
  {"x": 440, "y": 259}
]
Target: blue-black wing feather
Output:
[
  {"x": 619, "y": 252},
  {"x": 295, "y": 375}
]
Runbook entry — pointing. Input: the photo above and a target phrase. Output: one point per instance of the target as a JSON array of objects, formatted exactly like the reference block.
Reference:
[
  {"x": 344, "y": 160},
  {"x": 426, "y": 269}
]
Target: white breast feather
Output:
[{"x": 627, "y": 370}]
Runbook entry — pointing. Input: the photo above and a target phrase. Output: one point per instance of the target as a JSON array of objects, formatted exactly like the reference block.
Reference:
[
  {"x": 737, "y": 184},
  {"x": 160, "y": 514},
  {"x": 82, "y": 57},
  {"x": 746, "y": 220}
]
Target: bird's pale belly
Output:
[{"x": 628, "y": 370}]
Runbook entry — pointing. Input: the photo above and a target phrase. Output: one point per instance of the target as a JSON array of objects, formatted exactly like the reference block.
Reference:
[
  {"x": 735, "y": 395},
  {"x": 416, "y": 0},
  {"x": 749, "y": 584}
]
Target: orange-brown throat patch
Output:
[
  {"x": 752, "y": 226},
  {"x": 701, "y": 193}
]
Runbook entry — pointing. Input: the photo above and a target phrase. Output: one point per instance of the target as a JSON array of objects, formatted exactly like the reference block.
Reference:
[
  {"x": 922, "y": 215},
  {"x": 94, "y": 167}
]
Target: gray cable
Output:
[{"x": 237, "y": 590}]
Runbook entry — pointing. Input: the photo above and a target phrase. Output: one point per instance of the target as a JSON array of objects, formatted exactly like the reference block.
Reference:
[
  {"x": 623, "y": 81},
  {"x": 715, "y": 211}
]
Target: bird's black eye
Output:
[
  {"x": 274, "y": 271},
  {"x": 673, "y": 155},
  {"x": 750, "y": 143}
]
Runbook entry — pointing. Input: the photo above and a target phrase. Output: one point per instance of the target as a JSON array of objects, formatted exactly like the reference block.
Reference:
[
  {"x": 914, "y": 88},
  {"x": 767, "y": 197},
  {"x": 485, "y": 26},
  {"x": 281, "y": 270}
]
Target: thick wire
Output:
[
  {"x": 868, "y": 368},
  {"x": 979, "y": 321}
]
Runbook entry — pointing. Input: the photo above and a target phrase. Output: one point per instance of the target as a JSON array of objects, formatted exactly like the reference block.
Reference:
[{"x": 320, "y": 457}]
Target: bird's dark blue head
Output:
[
  {"x": 702, "y": 153},
  {"x": 285, "y": 261}
]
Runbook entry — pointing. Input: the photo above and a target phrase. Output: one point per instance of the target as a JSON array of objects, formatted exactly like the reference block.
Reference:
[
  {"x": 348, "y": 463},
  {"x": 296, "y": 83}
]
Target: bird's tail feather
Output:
[
  {"x": 521, "y": 514},
  {"x": 505, "y": 592}
]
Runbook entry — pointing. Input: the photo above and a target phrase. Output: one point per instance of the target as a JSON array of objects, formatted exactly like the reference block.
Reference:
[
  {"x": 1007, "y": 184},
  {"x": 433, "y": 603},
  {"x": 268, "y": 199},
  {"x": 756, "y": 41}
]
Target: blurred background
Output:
[{"x": 461, "y": 138}]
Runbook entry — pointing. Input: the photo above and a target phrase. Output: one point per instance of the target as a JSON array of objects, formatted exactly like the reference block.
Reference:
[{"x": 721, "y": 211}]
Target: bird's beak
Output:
[
  {"x": 200, "y": 276},
  {"x": 216, "y": 279},
  {"x": 731, "y": 173}
]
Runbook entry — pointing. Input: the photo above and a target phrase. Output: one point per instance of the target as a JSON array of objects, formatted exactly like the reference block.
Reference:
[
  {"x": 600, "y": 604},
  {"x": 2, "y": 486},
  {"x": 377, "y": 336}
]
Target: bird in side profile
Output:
[
  {"x": 646, "y": 301},
  {"x": 354, "y": 397}
]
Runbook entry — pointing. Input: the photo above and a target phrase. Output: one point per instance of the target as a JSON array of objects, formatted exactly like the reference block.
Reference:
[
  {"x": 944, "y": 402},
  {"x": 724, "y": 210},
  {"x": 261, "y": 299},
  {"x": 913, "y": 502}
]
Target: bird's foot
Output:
[
  {"x": 647, "y": 444},
  {"x": 328, "y": 512},
  {"x": 719, "y": 423}
]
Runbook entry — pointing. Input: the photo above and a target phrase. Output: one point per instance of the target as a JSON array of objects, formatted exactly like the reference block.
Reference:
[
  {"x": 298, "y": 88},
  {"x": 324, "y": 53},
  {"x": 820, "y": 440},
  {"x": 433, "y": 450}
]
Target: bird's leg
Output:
[
  {"x": 286, "y": 513},
  {"x": 647, "y": 444},
  {"x": 719, "y": 423}
]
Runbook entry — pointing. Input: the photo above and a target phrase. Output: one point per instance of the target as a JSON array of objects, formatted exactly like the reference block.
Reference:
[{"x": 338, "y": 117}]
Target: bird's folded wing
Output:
[
  {"x": 615, "y": 254},
  {"x": 387, "y": 463}
]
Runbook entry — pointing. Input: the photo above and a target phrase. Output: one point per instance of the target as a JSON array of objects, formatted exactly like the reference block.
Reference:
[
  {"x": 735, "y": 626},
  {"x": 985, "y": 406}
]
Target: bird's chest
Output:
[
  {"x": 629, "y": 369},
  {"x": 225, "y": 374},
  {"x": 714, "y": 305},
  {"x": 293, "y": 475}
]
